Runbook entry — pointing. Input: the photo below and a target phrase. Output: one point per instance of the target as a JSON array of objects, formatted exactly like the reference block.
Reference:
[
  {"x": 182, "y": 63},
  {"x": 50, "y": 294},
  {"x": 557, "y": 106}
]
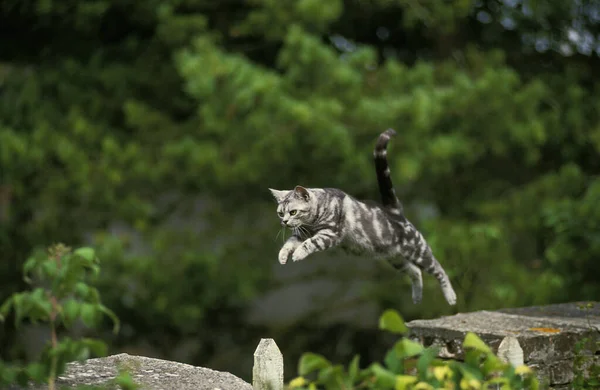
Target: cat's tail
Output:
[{"x": 386, "y": 188}]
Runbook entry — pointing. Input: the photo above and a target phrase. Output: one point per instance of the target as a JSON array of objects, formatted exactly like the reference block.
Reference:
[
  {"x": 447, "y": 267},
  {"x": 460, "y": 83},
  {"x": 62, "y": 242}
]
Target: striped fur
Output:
[
  {"x": 386, "y": 188},
  {"x": 322, "y": 218}
]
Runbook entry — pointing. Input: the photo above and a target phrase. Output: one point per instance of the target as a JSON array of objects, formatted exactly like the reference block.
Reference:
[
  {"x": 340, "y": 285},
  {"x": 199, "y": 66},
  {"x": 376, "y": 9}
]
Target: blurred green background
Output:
[{"x": 151, "y": 130}]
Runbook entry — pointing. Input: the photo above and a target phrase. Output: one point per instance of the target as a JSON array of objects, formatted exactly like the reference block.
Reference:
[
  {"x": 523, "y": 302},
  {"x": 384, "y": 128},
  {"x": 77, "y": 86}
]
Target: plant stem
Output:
[
  {"x": 54, "y": 341},
  {"x": 52, "y": 378}
]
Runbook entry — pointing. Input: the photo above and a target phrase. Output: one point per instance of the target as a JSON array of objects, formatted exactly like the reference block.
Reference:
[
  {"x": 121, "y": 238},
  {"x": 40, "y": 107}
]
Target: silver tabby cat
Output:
[{"x": 322, "y": 218}]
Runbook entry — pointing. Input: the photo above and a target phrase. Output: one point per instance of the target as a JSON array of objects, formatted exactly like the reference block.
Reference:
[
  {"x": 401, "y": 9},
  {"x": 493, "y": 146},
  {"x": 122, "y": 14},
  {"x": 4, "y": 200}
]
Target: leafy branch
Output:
[{"x": 59, "y": 296}]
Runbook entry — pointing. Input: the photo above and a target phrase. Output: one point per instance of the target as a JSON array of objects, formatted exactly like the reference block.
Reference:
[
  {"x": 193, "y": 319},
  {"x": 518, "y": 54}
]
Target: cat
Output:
[{"x": 323, "y": 218}]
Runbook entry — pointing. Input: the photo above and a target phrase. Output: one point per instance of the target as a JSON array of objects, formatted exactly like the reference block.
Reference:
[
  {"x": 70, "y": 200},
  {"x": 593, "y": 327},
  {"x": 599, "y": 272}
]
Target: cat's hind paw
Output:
[
  {"x": 450, "y": 295},
  {"x": 417, "y": 298},
  {"x": 417, "y": 294}
]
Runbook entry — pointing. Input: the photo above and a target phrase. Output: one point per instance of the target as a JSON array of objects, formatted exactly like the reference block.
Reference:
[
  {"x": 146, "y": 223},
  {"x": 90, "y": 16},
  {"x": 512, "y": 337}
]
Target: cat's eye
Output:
[
  {"x": 280, "y": 213},
  {"x": 293, "y": 212}
]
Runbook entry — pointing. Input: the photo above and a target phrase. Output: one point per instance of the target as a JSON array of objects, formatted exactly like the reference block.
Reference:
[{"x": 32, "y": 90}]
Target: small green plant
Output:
[
  {"x": 410, "y": 366},
  {"x": 585, "y": 376},
  {"x": 59, "y": 296},
  {"x": 586, "y": 372}
]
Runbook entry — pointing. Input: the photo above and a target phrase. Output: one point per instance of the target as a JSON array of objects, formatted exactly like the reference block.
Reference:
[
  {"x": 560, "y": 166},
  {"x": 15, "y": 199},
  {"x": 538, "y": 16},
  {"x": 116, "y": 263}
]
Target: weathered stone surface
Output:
[
  {"x": 150, "y": 373},
  {"x": 561, "y": 373},
  {"x": 510, "y": 351},
  {"x": 561, "y": 310},
  {"x": 268, "y": 366},
  {"x": 547, "y": 335},
  {"x": 541, "y": 332}
]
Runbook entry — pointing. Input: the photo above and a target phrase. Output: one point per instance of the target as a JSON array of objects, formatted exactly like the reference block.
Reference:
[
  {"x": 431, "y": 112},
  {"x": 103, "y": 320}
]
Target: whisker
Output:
[
  {"x": 304, "y": 232},
  {"x": 307, "y": 232}
]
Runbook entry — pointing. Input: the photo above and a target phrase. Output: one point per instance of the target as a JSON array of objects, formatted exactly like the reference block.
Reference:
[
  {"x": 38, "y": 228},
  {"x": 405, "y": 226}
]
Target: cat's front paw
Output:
[
  {"x": 300, "y": 254},
  {"x": 284, "y": 254}
]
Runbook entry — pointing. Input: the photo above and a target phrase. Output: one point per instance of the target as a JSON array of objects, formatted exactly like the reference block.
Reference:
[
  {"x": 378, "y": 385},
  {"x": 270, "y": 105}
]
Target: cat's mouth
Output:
[{"x": 291, "y": 226}]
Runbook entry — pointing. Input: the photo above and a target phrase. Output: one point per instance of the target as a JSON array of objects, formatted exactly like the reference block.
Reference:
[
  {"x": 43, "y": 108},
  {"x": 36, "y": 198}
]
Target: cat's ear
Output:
[
  {"x": 302, "y": 193},
  {"x": 278, "y": 195}
]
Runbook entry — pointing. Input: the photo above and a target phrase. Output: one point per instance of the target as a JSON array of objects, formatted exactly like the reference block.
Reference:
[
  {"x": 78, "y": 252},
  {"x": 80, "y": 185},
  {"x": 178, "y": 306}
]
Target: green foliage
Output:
[
  {"x": 586, "y": 369},
  {"x": 410, "y": 366},
  {"x": 125, "y": 381},
  {"x": 391, "y": 321},
  {"x": 62, "y": 298}
]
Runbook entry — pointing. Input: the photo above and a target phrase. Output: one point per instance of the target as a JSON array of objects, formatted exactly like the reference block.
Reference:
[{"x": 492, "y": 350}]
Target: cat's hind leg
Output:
[
  {"x": 435, "y": 268},
  {"x": 416, "y": 278}
]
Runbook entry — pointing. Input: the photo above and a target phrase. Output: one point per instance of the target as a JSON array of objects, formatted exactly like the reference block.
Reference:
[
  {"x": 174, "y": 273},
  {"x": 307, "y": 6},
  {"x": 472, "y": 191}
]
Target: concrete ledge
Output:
[
  {"x": 547, "y": 335},
  {"x": 149, "y": 373}
]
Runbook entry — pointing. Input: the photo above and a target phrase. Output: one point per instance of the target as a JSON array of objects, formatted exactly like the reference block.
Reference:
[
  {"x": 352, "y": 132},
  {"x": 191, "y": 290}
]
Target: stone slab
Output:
[
  {"x": 561, "y": 310},
  {"x": 546, "y": 334},
  {"x": 152, "y": 374},
  {"x": 543, "y": 333}
]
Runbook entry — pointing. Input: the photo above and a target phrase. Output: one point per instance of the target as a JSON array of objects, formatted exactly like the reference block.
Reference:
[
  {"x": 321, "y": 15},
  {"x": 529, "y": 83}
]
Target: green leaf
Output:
[
  {"x": 8, "y": 374},
  {"x": 86, "y": 253},
  {"x": 383, "y": 378},
  {"x": 110, "y": 314},
  {"x": 310, "y": 362},
  {"x": 37, "y": 372},
  {"x": 393, "y": 362},
  {"x": 40, "y": 305},
  {"x": 404, "y": 381},
  {"x": 70, "y": 312},
  {"x": 470, "y": 372},
  {"x": 474, "y": 342},
  {"x": 68, "y": 276},
  {"x": 125, "y": 381},
  {"x": 82, "y": 290},
  {"x": 95, "y": 269},
  {"x": 29, "y": 265},
  {"x": 353, "y": 368},
  {"x": 492, "y": 363},
  {"x": 392, "y": 322},
  {"x": 407, "y": 348},
  {"x": 93, "y": 296},
  {"x": 50, "y": 269},
  {"x": 89, "y": 314},
  {"x": 427, "y": 357},
  {"x": 332, "y": 376}
]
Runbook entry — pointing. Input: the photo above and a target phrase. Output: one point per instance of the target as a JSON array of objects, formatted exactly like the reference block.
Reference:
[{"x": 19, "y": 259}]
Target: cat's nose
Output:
[{"x": 283, "y": 223}]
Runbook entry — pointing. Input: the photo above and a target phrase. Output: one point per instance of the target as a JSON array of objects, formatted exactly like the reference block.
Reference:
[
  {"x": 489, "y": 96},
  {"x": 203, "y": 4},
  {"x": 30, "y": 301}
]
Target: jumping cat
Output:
[{"x": 322, "y": 218}]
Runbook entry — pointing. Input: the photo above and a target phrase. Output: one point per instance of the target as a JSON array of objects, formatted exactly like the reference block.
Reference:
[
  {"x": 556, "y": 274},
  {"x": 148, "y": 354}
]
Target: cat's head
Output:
[{"x": 293, "y": 206}]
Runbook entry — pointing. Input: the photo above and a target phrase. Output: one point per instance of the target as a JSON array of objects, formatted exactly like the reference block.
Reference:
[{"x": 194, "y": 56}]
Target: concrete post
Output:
[
  {"x": 510, "y": 351},
  {"x": 267, "y": 373}
]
